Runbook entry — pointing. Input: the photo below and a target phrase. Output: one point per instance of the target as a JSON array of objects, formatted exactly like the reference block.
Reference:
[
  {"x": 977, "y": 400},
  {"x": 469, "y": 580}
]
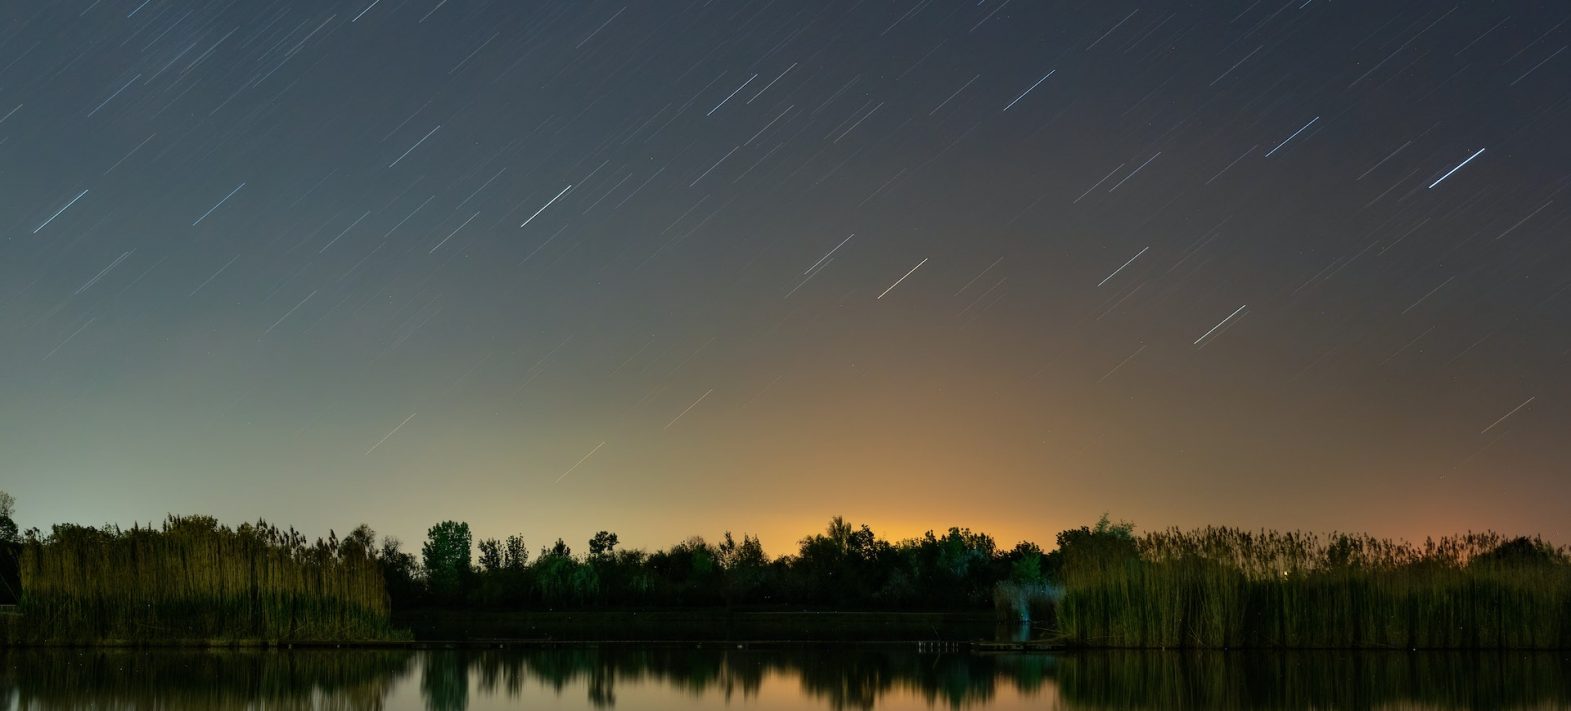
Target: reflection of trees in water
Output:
[
  {"x": 697, "y": 671},
  {"x": 444, "y": 680},
  {"x": 841, "y": 678},
  {"x": 858, "y": 681},
  {"x": 47, "y": 679}
]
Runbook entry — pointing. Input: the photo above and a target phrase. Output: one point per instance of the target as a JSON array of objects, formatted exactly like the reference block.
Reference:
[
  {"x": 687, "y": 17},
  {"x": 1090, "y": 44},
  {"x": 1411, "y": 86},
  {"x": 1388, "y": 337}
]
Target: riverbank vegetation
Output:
[
  {"x": 192, "y": 580},
  {"x": 1223, "y": 587},
  {"x": 1102, "y": 586}
]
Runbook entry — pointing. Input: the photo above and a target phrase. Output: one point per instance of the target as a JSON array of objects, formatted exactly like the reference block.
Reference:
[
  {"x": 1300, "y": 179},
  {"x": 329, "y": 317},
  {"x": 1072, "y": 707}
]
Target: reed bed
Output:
[
  {"x": 1224, "y": 587},
  {"x": 191, "y": 580}
]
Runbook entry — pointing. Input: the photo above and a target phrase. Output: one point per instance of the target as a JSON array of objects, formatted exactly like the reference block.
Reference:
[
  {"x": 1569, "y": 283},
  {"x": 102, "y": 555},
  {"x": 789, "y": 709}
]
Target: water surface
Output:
[{"x": 827, "y": 677}]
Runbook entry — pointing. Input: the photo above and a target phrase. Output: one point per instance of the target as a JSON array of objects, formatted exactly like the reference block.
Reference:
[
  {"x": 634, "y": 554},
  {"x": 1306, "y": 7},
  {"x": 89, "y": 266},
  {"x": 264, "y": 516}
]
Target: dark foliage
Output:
[{"x": 846, "y": 567}]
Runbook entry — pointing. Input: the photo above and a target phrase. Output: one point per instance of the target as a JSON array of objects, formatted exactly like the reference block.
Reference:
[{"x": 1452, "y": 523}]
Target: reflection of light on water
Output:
[
  {"x": 780, "y": 685},
  {"x": 778, "y": 690}
]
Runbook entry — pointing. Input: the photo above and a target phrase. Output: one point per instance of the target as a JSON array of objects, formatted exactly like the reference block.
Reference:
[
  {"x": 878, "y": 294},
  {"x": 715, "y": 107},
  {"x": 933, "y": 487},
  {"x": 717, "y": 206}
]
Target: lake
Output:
[{"x": 715, "y": 676}]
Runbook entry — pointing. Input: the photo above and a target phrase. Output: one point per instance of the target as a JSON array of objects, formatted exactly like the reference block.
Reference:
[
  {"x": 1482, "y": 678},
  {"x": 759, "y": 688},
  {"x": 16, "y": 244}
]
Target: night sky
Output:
[{"x": 672, "y": 268}]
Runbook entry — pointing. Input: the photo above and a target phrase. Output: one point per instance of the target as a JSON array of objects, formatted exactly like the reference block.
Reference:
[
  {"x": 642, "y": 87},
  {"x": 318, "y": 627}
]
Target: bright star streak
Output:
[{"x": 1457, "y": 168}]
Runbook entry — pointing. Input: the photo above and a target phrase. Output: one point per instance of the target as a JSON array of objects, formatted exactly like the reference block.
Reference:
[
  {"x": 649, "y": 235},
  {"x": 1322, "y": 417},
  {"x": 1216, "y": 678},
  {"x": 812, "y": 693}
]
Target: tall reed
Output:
[
  {"x": 192, "y": 579},
  {"x": 1224, "y": 587}
]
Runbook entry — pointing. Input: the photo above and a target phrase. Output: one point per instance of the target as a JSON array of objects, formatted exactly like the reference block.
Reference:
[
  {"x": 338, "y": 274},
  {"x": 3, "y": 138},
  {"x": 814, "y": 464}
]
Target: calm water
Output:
[{"x": 712, "y": 677}]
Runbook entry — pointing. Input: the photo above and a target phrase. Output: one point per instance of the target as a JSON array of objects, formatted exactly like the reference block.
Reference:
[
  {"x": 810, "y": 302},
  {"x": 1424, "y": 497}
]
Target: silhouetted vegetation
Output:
[
  {"x": 193, "y": 580},
  {"x": 1222, "y": 587},
  {"x": 845, "y": 567},
  {"x": 10, "y": 552},
  {"x": 717, "y": 624},
  {"x": 1103, "y": 586}
]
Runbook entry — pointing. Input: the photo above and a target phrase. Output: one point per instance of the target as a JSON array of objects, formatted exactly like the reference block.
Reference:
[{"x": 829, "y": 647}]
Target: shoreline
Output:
[{"x": 936, "y": 646}]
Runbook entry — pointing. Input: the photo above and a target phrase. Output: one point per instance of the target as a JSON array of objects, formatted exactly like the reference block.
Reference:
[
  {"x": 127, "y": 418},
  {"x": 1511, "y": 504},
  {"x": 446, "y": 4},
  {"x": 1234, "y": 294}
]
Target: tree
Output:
[
  {"x": 490, "y": 555},
  {"x": 514, "y": 554},
  {"x": 1027, "y": 569},
  {"x": 744, "y": 564},
  {"x": 1105, "y": 545},
  {"x": 8, "y": 532},
  {"x": 399, "y": 570},
  {"x": 1123, "y": 530},
  {"x": 10, "y": 552},
  {"x": 360, "y": 543},
  {"x": 844, "y": 564},
  {"x": 747, "y": 554},
  {"x": 554, "y": 574},
  {"x": 602, "y": 545},
  {"x": 687, "y": 573},
  {"x": 446, "y": 557}
]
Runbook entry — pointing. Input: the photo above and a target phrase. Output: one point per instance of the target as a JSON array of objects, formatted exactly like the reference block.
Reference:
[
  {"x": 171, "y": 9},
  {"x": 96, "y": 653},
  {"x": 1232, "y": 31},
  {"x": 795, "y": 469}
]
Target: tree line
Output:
[
  {"x": 1100, "y": 586},
  {"x": 845, "y": 566}
]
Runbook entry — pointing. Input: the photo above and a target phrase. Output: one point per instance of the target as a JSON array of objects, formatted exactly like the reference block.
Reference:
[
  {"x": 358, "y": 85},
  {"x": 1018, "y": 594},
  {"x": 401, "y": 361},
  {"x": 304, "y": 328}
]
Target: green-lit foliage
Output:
[
  {"x": 1223, "y": 587},
  {"x": 446, "y": 558},
  {"x": 194, "y": 580}
]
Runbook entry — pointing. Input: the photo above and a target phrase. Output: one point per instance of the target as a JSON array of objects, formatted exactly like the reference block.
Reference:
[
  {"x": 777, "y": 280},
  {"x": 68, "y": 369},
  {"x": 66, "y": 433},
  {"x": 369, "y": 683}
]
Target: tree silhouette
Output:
[
  {"x": 446, "y": 557},
  {"x": 490, "y": 555},
  {"x": 10, "y": 552},
  {"x": 602, "y": 545}
]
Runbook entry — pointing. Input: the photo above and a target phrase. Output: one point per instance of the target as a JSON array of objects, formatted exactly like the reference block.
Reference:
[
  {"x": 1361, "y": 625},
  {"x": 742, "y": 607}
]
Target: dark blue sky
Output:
[{"x": 673, "y": 268}]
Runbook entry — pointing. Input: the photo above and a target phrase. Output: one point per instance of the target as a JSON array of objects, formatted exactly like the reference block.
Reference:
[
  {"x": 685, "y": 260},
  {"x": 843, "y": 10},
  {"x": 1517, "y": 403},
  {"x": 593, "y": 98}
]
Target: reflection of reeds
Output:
[
  {"x": 193, "y": 580},
  {"x": 1222, "y": 587},
  {"x": 1303, "y": 680},
  {"x": 210, "y": 679}
]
